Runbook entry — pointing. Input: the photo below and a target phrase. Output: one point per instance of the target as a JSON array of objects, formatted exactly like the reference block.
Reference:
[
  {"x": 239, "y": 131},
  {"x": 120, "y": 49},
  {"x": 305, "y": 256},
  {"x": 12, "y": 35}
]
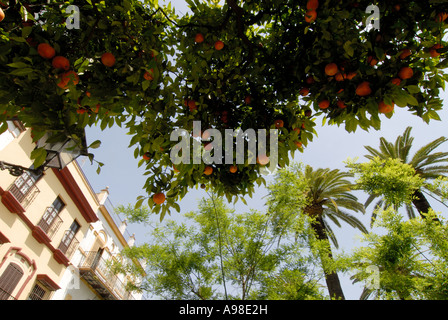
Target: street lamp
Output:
[{"x": 59, "y": 155}]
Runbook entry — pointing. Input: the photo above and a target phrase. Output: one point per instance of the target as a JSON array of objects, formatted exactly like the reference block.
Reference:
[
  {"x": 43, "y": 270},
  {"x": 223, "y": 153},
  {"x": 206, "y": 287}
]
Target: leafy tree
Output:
[
  {"x": 328, "y": 194},
  {"x": 411, "y": 257},
  {"x": 219, "y": 254},
  {"x": 426, "y": 164},
  {"x": 252, "y": 67}
]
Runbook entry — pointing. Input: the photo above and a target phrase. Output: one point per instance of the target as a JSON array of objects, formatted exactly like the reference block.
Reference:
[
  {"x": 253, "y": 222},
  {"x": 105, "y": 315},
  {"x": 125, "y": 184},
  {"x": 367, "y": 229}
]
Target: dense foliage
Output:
[{"x": 242, "y": 65}]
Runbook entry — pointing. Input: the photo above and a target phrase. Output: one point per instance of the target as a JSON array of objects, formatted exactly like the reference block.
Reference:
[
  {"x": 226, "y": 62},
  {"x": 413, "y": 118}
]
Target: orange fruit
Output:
[
  {"x": 149, "y": 75},
  {"x": 312, "y": 4},
  {"x": 159, "y": 198},
  {"x": 208, "y": 170},
  {"x": 279, "y": 123},
  {"x": 97, "y": 108},
  {"x": 331, "y": 69},
  {"x": 441, "y": 16},
  {"x": 263, "y": 159},
  {"x": 385, "y": 108},
  {"x": 310, "y": 16},
  {"x": 199, "y": 38},
  {"x": 233, "y": 169},
  {"x": 363, "y": 89},
  {"x": 146, "y": 156},
  {"x": 297, "y": 130},
  {"x": 60, "y": 62},
  {"x": 310, "y": 80},
  {"x": 46, "y": 51},
  {"x": 341, "y": 104},
  {"x": 405, "y": 53},
  {"x": 219, "y": 45},
  {"x": 433, "y": 50},
  {"x": 108, "y": 59},
  {"x": 67, "y": 78},
  {"x": 304, "y": 92},
  {"x": 248, "y": 100},
  {"x": 192, "y": 105},
  {"x": 372, "y": 61},
  {"x": 81, "y": 111},
  {"x": 324, "y": 104},
  {"x": 406, "y": 73},
  {"x": 298, "y": 144},
  {"x": 2, "y": 15},
  {"x": 340, "y": 77},
  {"x": 396, "y": 81},
  {"x": 351, "y": 75}
]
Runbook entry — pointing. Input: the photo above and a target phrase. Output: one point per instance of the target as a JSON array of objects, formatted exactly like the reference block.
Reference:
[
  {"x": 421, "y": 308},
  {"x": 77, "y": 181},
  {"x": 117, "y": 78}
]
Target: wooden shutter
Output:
[{"x": 9, "y": 280}]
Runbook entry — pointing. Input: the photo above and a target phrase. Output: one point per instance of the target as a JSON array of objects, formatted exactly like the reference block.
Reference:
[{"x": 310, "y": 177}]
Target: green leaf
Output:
[{"x": 95, "y": 145}]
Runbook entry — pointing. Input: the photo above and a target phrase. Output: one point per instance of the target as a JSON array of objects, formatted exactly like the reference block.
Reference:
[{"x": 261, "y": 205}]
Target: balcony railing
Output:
[
  {"x": 101, "y": 277},
  {"x": 50, "y": 227},
  {"x": 69, "y": 244},
  {"x": 24, "y": 195}
]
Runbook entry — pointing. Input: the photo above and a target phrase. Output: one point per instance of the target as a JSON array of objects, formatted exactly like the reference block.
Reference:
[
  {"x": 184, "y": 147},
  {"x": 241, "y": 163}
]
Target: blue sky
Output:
[{"x": 330, "y": 148}]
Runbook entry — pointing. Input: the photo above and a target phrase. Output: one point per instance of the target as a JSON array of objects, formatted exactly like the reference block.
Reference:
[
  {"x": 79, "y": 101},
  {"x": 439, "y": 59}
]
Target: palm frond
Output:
[{"x": 347, "y": 218}]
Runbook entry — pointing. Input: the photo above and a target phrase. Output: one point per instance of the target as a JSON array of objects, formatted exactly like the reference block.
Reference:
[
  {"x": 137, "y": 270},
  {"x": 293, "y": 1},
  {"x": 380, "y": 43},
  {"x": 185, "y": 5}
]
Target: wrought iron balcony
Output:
[
  {"x": 68, "y": 244},
  {"x": 24, "y": 195},
  {"x": 50, "y": 225},
  {"x": 96, "y": 271}
]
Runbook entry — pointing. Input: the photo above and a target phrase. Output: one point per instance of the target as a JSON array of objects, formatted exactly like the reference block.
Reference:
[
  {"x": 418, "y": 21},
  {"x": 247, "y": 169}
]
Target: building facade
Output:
[{"x": 57, "y": 235}]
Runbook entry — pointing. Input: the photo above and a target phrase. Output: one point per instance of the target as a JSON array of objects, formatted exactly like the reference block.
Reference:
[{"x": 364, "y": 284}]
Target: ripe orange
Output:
[
  {"x": 340, "y": 77},
  {"x": 97, "y": 108},
  {"x": 208, "y": 170},
  {"x": 192, "y": 105},
  {"x": 297, "y": 130},
  {"x": 199, "y": 38},
  {"x": 298, "y": 144},
  {"x": 310, "y": 80},
  {"x": 341, "y": 104},
  {"x": 81, "y": 111},
  {"x": 351, "y": 75},
  {"x": 310, "y": 16},
  {"x": 60, "y": 62},
  {"x": 312, "y": 4},
  {"x": 108, "y": 59},
  {"x": 279, "y": 123},
  {"x": 433, "y": 50},
  {"x": 442, "y": 16},
  {"x": 159, "y": 198},
  {"x": 149, "y": 75},
  {"x": 46, "y": 51},
  {"x": 147, "y": 156},
  {"x": 248, "y": 100},
  {"x": 2, "y": 15},
  {"x": 385, "y": 108},
  {"x": 372, "y": 60},
  {"x": 262, "y": 159},
  {"x": 304, "y": 92},
  {"x": 233, "y": 168},
  {"x": 363, "y": 89},
  {"x": 67, "y": 78},
  {"x": 396, "y": 81},
  {"x": 406, "y": 73},
  {"x": 331, "y": 69},
  {"x": 219, "y": 45},
  {"x": 405, "y": 53},
  {"x": 324, "y": 104}
]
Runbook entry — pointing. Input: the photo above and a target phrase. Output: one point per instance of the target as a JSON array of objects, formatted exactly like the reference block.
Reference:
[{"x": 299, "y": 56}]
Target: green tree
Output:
[
  {"x": 164, "y": 79},
  {"x": 410, "y": 257},
  {"x": 219, "y": 254},
  {"x": 328, "y": 195},
  {"x": 426, "y": 164}
]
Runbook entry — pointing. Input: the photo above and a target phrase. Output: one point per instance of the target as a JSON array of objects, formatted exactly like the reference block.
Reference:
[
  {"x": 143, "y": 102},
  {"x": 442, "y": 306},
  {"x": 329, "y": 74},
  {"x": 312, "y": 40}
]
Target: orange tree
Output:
[{"x": 240, "y": 65}]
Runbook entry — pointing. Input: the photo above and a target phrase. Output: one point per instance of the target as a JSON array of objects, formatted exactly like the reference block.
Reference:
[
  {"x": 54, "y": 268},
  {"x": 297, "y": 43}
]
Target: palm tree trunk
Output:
[
  {"x": 331, "y": 278},
  {"x": 422, "y": 204}
]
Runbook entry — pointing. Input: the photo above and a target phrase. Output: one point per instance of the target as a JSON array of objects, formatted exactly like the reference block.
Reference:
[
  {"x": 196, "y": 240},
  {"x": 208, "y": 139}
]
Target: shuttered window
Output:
[{"x": 9, "y": 280}]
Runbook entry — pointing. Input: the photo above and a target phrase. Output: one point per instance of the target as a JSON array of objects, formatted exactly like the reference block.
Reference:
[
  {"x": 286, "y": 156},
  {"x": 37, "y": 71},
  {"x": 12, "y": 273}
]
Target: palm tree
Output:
[
  {"x": 427, "y": 164},
  {"x": 329, "y": 193}
]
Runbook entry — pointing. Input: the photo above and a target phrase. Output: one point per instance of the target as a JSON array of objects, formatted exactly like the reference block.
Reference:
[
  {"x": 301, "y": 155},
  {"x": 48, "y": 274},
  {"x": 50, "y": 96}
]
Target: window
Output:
[
  {"x": 9, "y": 280},
  {"x": 68, "y": 238},
  {"x": 38, "y": 293},
  {"x": 24, "y": 184},
  {"x": 50, "y": 214}
]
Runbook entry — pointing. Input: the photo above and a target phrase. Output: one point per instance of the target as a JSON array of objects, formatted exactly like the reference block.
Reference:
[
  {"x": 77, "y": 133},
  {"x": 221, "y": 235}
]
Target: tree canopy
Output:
[{"x": 240, "y": 65}]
